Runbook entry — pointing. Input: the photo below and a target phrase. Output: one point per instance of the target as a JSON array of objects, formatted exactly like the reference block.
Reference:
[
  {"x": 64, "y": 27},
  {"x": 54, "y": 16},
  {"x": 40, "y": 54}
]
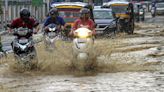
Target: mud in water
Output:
[
  {"x": 106, "y": 52},
  {"x": 124, "y": 64},
  {"x": 127, "y": 63},
  {"x": 112, "y": 55}
]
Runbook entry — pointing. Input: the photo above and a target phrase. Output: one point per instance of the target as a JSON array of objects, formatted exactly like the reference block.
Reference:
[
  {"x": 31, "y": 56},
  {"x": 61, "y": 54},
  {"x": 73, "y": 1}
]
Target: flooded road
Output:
[
  {"x": 128, "y": 63},
  {"x": 111, "y": 82}
]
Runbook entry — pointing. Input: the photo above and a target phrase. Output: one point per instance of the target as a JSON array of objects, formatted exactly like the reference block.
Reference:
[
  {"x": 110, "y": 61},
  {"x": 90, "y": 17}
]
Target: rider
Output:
[
  {"x": 25, "y": 21},
  {"x": 84, "y": 21},
  {"x": 53, "y": 17},
  {"x": 154, "y": 2}
]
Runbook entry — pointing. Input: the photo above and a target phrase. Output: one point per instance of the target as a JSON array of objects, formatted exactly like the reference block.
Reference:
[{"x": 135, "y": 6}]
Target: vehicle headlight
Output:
[
  {"x": 52, "y": 29},
  {"x": 140, "y": 13},
  {"x": 82, "y": 34}
]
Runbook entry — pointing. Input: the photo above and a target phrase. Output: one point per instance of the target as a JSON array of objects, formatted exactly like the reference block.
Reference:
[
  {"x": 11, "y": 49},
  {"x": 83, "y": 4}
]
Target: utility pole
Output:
[
  {"x": 6, "y": 11},
  {"x": 48, "y": 4}
]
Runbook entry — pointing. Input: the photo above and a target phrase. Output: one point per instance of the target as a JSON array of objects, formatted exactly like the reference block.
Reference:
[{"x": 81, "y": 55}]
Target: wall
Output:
[{"x": 14, "y": 7}]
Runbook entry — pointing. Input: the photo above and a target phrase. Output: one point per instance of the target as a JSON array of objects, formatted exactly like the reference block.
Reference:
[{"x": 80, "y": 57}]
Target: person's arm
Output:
[
  {"x": 35, "y": 25},
  {"x": 62, "y": 24},
  {"x": 34, "y": 22},
  {"x": 13, "y": 24},
  {"x": 92, "y": 25},
  {"x": 46, "y": 22},
  {"x": 74, "y": 27}
]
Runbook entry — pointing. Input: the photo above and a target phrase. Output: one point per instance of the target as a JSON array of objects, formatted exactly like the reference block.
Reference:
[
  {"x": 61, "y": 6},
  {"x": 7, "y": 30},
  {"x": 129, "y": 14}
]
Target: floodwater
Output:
[{"x": 127, "y": 63}]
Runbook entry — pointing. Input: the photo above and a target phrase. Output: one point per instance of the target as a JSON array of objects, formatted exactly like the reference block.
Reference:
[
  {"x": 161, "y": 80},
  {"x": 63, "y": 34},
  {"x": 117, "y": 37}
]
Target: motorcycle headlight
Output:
[
  {"x": 52, "y": 29},
  {"x": 82, "y": 34}
]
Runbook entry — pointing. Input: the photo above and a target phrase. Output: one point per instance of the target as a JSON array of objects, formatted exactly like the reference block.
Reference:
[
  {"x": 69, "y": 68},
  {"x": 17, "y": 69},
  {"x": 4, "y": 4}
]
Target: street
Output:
[{"x": 127, "y": 63}]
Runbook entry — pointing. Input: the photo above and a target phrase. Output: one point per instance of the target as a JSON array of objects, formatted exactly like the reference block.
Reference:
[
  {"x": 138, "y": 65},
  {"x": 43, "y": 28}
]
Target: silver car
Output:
[
  {"x": 105, "y": 22},
  {"x": 160, "y": 8}
]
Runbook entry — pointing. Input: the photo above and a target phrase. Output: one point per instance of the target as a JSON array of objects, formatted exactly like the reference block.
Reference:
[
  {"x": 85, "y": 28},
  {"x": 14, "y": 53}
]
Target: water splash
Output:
[{"x": 59, "y": 61}]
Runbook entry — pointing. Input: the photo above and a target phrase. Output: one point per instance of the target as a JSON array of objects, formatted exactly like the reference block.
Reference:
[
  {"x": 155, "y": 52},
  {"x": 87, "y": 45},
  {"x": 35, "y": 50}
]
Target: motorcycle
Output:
[
  {"x": 82, "y": 49},
  {"x": 51, "y": 34},
  {"x": 23, "y": 47},
  {"x": 153, "y": 12}
]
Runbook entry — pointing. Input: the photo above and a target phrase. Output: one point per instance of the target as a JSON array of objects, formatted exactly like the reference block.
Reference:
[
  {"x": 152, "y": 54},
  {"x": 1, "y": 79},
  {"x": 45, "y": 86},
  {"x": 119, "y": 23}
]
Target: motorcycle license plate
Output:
[
  {"x": 81, "y": 40},
  {"x": 51, "y": 34},
  {"x": 23, "y": 40}
]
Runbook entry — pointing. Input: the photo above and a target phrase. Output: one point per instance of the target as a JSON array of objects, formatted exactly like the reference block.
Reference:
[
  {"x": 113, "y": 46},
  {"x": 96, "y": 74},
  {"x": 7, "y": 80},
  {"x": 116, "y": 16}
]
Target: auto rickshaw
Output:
[
  {"x": 70, "y": 11},
  {"x": 123, "y": 10}
]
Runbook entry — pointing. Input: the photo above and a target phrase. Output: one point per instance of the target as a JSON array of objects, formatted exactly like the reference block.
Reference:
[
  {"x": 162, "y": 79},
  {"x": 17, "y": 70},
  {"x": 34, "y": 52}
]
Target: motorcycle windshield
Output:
[{"x": 23, "y": 41}]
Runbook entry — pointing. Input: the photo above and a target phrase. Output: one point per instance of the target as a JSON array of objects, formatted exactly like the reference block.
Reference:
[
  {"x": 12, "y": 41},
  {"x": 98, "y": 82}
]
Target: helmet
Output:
[
  {"x": 24, "y": 13},
  {"x": 84, "y": 13},
  {"x": 53, "y": 12}
]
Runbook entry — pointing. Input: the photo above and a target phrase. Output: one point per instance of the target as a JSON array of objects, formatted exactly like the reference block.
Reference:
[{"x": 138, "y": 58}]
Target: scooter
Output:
[
  {"x": 23, "y": 47},
  {"x": 82, "y": 49},
  {"x": 51, "y": 34},
  {"x": 153, "y": 12}
]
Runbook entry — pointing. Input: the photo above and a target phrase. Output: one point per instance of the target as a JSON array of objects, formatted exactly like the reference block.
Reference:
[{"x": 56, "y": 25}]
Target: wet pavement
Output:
[
  {"x": 128, "y": 63},
  {"x": 111, "y": 82}
]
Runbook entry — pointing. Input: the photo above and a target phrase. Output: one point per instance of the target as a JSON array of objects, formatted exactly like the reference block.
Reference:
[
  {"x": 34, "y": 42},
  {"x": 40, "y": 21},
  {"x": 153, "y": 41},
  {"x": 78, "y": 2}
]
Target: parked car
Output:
[
  {"x": 139, "y": 12},
  {"x": 160, "y": 8},
  {"x": 97, "y": 7},
  {"x": 105, "y": 22}
]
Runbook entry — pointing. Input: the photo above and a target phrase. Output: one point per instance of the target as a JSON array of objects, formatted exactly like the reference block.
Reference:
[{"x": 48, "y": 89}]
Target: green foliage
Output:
[{"x": 37, "y": 2}]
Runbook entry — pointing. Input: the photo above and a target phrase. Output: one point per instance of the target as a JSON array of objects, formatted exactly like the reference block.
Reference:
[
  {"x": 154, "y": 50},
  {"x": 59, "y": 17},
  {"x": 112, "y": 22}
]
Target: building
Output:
[{"x": 11, "y": 9}]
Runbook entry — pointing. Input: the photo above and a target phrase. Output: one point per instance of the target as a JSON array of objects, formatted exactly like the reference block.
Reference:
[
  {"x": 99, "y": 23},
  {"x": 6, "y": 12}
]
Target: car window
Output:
[
  {"x": 102, "y": 14},
  {"x": 119, "y": 9},
  {"x": 160, "y": 5}
]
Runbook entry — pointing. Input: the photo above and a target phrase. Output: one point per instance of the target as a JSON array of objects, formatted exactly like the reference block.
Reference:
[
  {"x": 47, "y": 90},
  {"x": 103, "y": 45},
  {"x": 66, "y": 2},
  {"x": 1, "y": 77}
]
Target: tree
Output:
[{"x": 37, "y": 2}]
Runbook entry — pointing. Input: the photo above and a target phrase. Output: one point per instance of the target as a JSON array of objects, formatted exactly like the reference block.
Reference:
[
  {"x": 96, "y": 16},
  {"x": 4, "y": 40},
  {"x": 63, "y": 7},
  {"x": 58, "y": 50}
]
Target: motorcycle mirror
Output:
[
  {"x": 8, "y": 25},
  {"x": 95, "y": 25}
]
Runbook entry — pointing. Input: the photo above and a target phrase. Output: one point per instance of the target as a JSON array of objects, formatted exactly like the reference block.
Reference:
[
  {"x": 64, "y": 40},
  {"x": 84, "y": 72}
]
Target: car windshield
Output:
[
  {"x": 119, "y": 9},
  {"x": 102, "y": 14},
  {"x": 160, "y": 5}
]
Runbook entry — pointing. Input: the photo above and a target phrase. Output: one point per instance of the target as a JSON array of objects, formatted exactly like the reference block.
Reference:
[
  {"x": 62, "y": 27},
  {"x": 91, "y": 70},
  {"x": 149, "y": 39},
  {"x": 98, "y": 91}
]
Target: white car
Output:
[{"x": 160, "y": 8}]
